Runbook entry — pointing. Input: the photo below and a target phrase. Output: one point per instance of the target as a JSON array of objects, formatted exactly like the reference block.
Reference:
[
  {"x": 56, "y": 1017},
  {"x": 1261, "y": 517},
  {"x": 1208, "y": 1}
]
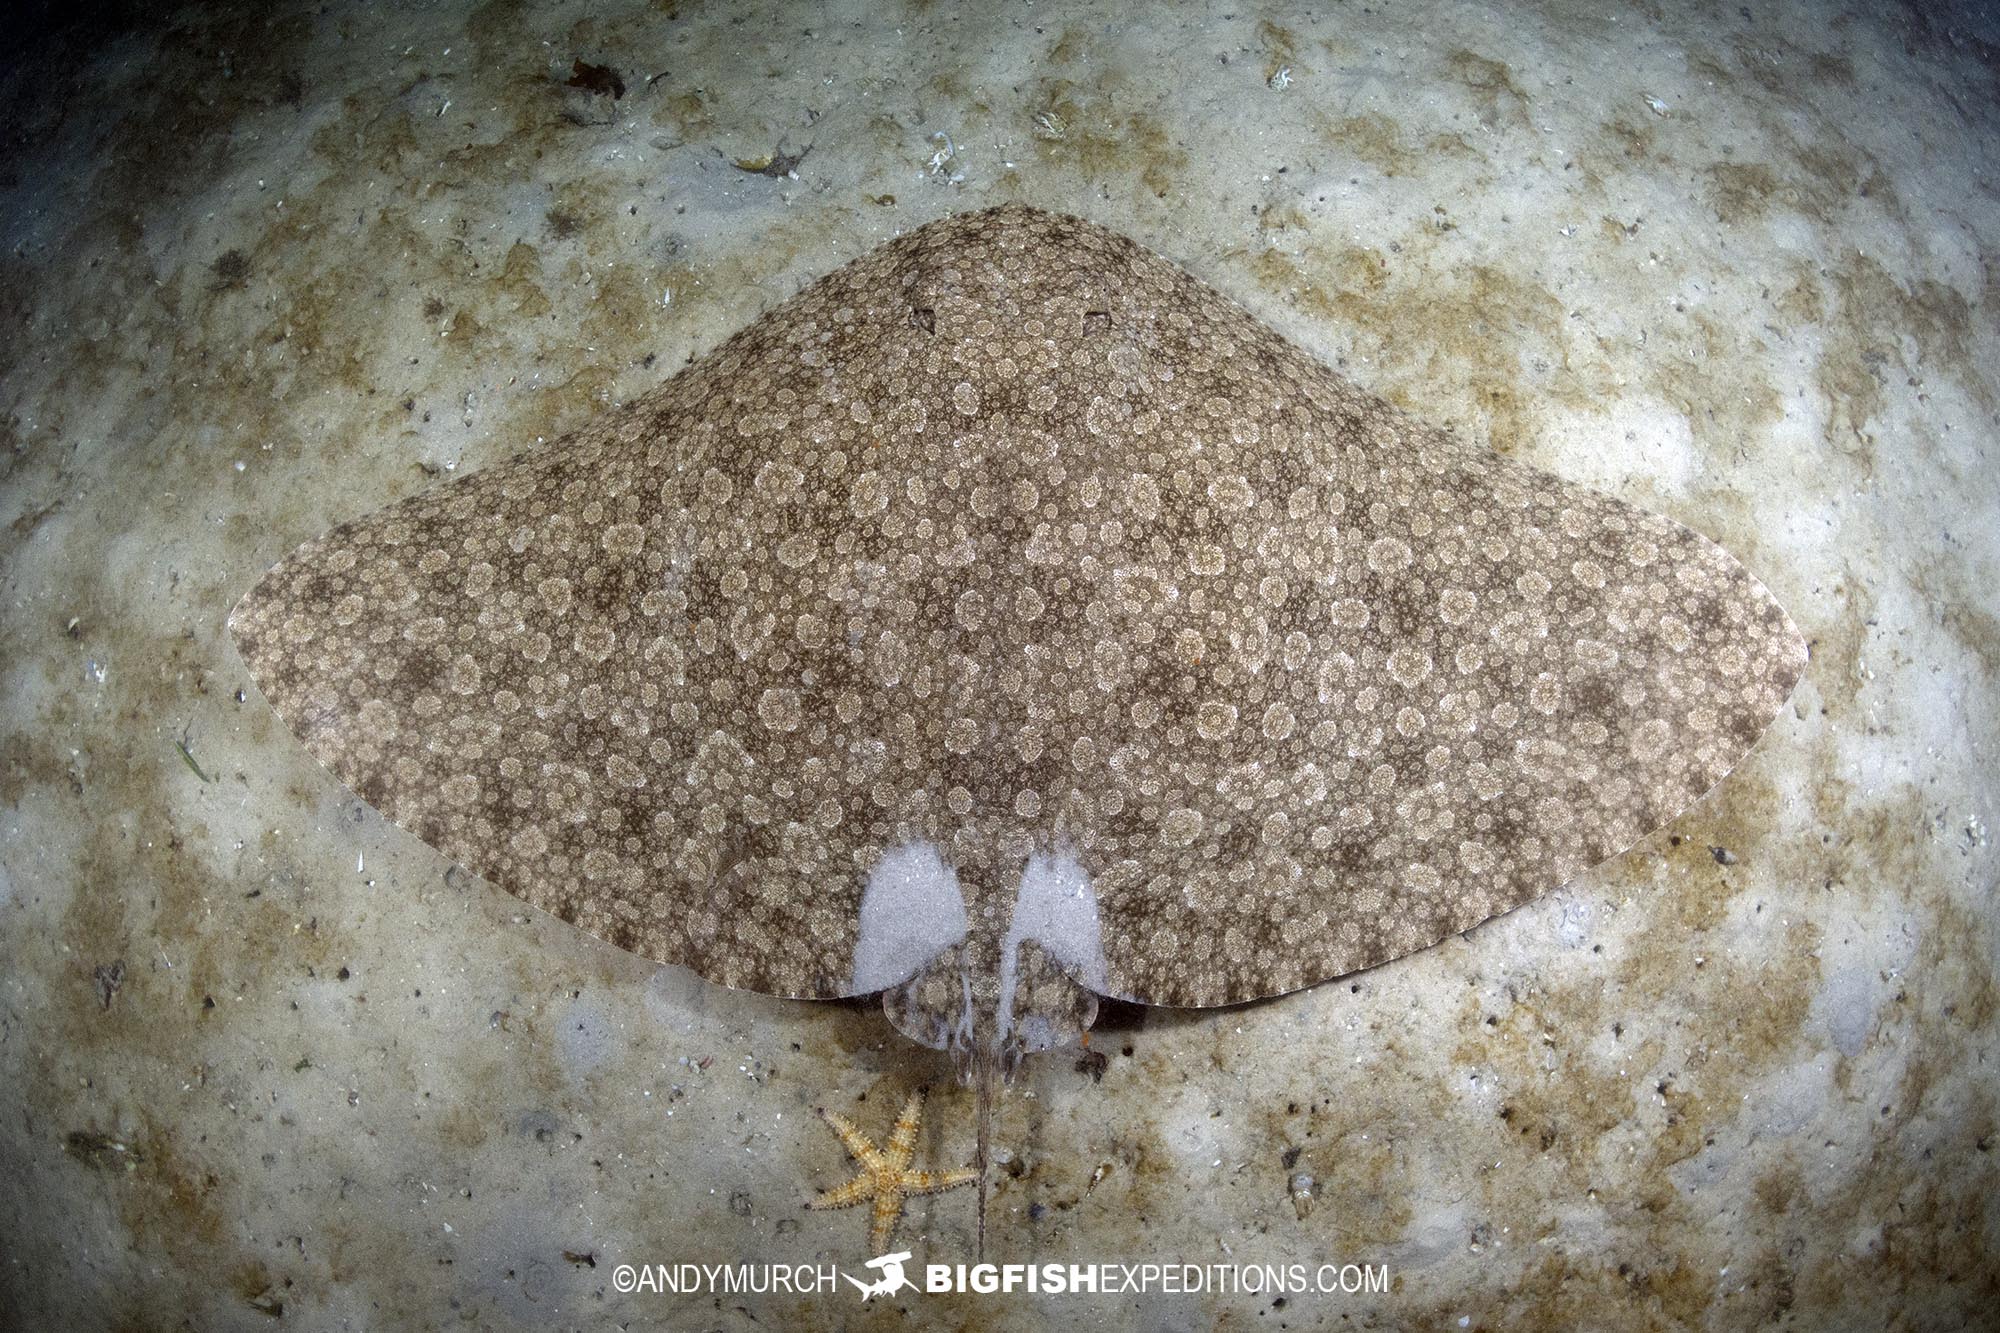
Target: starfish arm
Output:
[
  {"x": 931, "y": 1182},
  {"x": 853, "y": 1140},
  {"x": 858, "y": 1190},
  {"x": 903, "y": 1139},
  {"x": 888, "y": 1207}
]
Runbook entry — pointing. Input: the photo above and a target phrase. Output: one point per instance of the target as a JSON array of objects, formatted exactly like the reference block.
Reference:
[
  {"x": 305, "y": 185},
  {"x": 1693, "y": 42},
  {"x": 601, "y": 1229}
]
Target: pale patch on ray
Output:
[
  {"x": 911, "y": 911},
  {"x": 1056, "y": 908}
]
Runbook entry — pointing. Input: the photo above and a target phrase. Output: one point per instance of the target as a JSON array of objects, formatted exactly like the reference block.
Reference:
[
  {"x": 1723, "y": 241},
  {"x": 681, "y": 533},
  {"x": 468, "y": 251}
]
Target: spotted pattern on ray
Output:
[{"x": 1013, "y": 536}]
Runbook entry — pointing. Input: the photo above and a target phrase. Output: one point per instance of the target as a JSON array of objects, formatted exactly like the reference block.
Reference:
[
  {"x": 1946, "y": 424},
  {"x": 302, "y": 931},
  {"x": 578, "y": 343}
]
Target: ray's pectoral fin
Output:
[
  {"x": 1052, "y": 960},
  {"x": 1049, "y": 1009},
  {"x": 936, "y": 1007},
  {"x": 989, "y": 997},
  {"x": 1032, "y": 1004}
]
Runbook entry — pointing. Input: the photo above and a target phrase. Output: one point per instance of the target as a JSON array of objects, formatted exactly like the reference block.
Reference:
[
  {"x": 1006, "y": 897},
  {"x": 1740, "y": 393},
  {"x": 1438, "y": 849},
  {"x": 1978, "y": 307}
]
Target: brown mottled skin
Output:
[{"x": 1012, "y": 535}]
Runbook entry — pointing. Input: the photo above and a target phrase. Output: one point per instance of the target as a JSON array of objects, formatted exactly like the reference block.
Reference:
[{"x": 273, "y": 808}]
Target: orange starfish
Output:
[{"x": 885, "y": 1174}]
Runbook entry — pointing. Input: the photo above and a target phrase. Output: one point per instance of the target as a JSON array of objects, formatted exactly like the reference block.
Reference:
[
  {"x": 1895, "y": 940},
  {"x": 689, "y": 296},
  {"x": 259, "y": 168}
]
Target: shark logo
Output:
[{"x": 892, "y": 1280}]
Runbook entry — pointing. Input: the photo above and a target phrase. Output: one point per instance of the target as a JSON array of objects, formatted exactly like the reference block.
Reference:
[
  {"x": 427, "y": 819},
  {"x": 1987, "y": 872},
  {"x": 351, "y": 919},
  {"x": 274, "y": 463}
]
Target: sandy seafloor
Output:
[{"x": 266, "y": 1061}]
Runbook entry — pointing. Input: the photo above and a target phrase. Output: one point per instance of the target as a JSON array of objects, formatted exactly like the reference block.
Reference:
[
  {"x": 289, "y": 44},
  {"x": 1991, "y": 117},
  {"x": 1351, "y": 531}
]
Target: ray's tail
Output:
[{"x": 986, "y": 1071}]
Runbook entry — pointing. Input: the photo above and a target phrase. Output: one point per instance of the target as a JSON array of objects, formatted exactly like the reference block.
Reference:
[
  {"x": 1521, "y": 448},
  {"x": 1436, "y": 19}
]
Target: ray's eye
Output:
[
  {"x": 923, "y": 317},
  {"x": 1096, "y": 322}
]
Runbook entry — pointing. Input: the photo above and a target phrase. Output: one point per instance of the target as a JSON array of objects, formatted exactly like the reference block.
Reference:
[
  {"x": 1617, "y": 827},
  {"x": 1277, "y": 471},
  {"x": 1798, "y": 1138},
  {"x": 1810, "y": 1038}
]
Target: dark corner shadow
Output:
[{"x": 58, "y": 34}]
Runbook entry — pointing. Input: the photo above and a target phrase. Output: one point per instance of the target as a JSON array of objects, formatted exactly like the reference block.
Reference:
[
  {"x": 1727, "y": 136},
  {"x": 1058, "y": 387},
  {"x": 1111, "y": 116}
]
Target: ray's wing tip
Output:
[
  {"x": 1794, "y": 650},
  {"x": 251, "y": 608},
  {"x": 1798, "y": 656},
  {"x": 239, "y": 624},
  {"x": 234, "y": 622}
]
